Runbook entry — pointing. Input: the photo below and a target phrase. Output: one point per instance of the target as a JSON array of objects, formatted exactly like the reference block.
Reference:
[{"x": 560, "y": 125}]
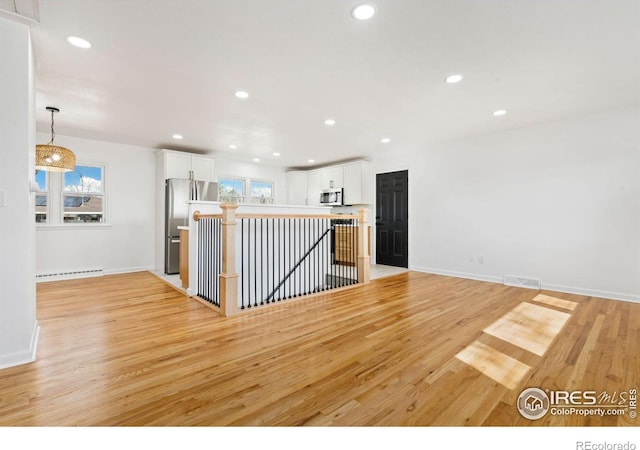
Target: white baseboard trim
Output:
[
  {"x": 68, "y": 275},
  {"x": 25, "y": 356},
  {"x": 87, "y": 273},
  {"x": 129, "y": 270},
  {"x": 592, "y": 292},
  {"x": 450, "y": 273},
  {"x": 544, "y": 286}
]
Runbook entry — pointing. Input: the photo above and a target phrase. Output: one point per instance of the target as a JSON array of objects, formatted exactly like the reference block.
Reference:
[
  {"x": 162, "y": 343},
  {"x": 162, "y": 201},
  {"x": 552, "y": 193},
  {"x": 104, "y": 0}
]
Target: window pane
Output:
[
  {"x": 41, "y": 179},
  {"x": 41, "y": 200},
  {"x": 83, "y": 208},
  {"x": 230, "y": 189},
  {"x": 41, "y": 197},
  {"x": 83, "y": 201},
  {"x": 41, "y": 208},
  {"x": 83, "y": 179},
  {"x": 261, "y": 189}
]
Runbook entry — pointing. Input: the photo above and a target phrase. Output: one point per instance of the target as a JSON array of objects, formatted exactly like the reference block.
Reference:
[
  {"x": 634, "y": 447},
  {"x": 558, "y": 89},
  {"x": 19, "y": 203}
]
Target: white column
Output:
[{"x": 18, "y": 324}]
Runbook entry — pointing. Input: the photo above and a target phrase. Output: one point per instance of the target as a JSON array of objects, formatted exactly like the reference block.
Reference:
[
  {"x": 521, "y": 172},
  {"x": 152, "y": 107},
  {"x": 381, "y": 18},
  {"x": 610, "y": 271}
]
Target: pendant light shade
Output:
[{"x": 54, "y": 158}]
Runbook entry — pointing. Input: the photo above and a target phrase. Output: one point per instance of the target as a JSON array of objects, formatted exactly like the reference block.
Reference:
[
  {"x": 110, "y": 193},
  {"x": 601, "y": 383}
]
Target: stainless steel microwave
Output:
[{"x": 331, "y": 197}]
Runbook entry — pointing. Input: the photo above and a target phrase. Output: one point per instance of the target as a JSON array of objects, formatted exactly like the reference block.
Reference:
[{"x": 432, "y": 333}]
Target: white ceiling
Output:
[{"x": 159, "y": 67}]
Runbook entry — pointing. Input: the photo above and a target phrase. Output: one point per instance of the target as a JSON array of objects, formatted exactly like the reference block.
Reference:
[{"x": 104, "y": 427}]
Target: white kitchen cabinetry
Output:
[
  {"x": 297, "y": 187},
  {"x": 186, "y": 165},
  {"x": 354, "y": 177},
  {"x": 357, "y": 183},
  {"x": 314, "y": 186},
  {"x": 202, "y": 168},
  {"x": 332, "y": 177}
]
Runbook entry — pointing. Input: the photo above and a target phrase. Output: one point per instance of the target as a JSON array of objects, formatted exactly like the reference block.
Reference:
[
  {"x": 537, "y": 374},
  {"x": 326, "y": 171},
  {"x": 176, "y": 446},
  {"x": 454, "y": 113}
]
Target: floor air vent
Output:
[
  {"x": 530, "y": 283},
  {"x": 69, "y": 275}
]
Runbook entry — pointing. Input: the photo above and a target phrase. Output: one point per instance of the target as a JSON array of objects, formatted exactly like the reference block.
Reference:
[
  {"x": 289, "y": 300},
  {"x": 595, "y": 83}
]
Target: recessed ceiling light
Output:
[
  {"x": 363, "y": 12},
  {"x": 233, "y": 146},
  {"x": 78, "y": 42},
  {"x": 453, "y": 78},
  {"x": 242, "y": 94},
  {"x": 330, "y": 122},
  {"x": 177, "y": 136},
  {"x": 276, "y": 154},
  {"x": 256, "y": 159},
  {"x": 312, "y": 160},
  {"x": 385, "y": 140},
  {"x": 500, "y": 112}
]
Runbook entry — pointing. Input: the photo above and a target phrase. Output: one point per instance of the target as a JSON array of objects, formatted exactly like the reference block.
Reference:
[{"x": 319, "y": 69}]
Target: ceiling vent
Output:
[
  {"x": 530, "y": 283},
  {"x": 20, "y": 10}
]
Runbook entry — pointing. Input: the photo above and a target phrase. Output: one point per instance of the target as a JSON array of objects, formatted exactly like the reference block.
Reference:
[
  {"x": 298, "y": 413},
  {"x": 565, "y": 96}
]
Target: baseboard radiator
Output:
[
  {"x": 69, "y": 275},
  {"x": 524, "y": 282}
]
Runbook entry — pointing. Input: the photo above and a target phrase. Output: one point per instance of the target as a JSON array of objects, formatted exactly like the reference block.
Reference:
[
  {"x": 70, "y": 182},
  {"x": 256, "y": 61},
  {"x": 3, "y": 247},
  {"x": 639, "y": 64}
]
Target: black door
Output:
[{"x": 392, "y": 219}]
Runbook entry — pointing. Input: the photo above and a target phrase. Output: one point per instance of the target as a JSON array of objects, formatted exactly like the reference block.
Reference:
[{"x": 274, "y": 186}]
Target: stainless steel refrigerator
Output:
[{"x": 178, "y": 192}]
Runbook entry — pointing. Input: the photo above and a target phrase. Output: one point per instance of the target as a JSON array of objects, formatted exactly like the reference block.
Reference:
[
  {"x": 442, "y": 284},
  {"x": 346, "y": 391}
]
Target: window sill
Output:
[{"x": 74, "y": 226}]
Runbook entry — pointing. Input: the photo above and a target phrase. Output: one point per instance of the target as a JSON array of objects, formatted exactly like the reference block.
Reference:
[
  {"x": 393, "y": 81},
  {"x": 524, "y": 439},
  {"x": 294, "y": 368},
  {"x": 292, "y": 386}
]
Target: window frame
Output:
[
  {"x": 237, "y": 198},
  {"x": 55, "y": 200},
  {"x": 257, "y": 200},
  {"x": 101, "y": 194}
]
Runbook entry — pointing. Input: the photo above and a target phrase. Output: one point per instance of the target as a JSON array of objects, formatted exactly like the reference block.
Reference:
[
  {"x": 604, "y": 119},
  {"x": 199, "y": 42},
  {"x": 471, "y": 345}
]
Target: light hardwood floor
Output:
[{"x": 412, "y": 349}]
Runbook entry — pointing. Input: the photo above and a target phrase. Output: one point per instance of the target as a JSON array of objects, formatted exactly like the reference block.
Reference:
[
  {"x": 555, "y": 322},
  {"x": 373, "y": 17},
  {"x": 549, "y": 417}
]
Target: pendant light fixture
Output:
[{"x": 54, "y": 158}]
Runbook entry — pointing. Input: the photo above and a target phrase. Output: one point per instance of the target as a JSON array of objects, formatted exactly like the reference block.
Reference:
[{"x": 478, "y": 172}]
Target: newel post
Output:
[
  {"x": 364, "y": 261},
  {"x": 228, "y": 276}
]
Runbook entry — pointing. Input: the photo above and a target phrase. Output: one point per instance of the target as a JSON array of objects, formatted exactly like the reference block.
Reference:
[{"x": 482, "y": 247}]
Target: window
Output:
[
  {"x": 231, "y": 190},
  {"x": 261, "y": 191},
  {"x": 83, "y": 195},
  {"x": 42, "y": 195},
  {"x": 71, "y": 197}
]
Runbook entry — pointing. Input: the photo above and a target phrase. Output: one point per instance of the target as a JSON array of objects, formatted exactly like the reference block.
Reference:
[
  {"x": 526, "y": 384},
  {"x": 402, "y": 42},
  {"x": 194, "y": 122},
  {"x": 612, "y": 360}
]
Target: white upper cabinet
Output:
[
  {"x": 354, "y": 177},
  {"x": 186, "y": 165},
  {"x": 176, "y": 165},
  {"x": 332, "y": 177},
  {"x": 357, "y": 183},
  {"x": 203, "y": 168},
  {"x": 297, "y": 187},
  {"x": 314, "y": 186}
]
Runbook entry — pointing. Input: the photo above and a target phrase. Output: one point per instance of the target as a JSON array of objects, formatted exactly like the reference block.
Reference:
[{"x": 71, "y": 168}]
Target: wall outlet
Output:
[{"x": 480, "y": 259}]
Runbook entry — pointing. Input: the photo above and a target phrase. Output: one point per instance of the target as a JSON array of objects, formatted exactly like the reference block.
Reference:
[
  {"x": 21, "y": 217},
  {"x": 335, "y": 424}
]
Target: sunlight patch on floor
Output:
[
  {"x": 529, "y": 326},
  {"x": 496, "y": 365},
  {"x": 553, "y": 301}
]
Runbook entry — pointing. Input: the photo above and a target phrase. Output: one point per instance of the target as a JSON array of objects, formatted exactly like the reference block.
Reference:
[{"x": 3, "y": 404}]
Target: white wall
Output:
[
  {"x": 559, "y": 202},
  {"x": 126, "y": 243},
  {"x": 18, "y": 325}
]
